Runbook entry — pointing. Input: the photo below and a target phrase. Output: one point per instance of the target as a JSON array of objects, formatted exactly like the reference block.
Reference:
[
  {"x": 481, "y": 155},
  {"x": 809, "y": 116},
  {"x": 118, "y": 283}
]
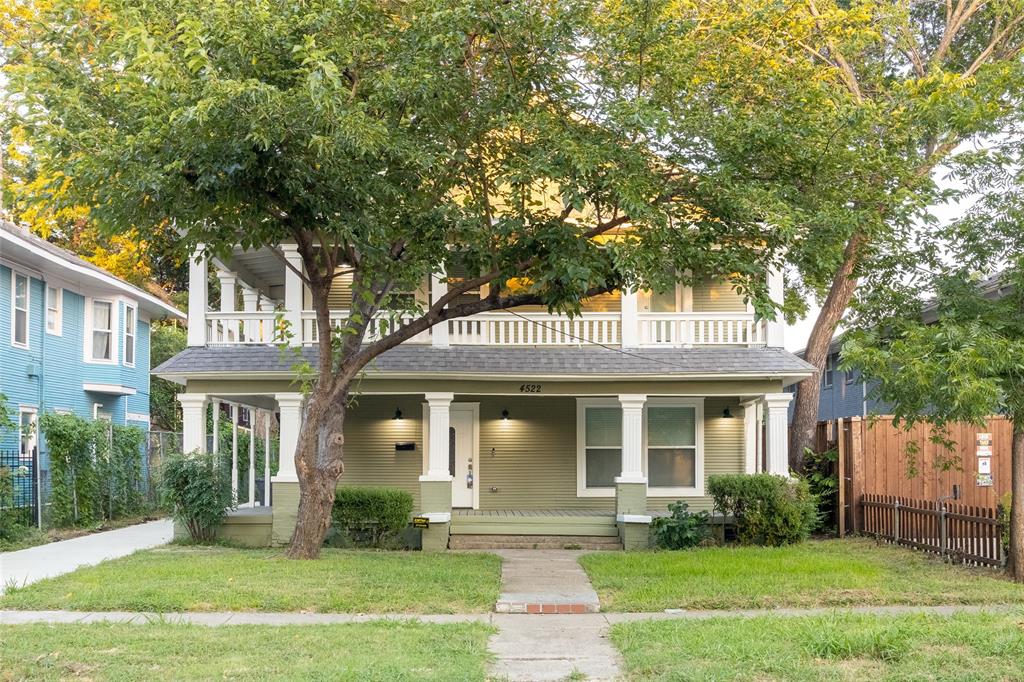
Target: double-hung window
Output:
[
  {"x": 671, "y": 446},
  {"x": 129, "y": 336},
  {"x": 19, "y": 309},
  {"x": 54, "y": 300},
  {"x": 828, "y": 376},
  {"x": 600, "y": 431},
  {"x": 102, "y": 331}
]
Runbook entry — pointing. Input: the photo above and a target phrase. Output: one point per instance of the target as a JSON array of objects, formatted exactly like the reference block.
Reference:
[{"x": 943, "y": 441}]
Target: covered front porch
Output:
[{"x": 571, "y": 463}]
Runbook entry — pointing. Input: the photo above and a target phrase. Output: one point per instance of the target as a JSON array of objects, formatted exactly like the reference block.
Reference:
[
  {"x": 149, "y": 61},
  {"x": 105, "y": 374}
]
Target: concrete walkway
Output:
[
  {"x": 529, "y": 646},
  {"x": 57, "y": 558}
]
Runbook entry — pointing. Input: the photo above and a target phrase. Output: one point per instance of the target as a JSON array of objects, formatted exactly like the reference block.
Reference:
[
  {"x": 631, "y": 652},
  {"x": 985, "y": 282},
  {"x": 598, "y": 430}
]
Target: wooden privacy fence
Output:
[
  {"x": 873, "y": 460},
  {"x": 962, "y": 533}
]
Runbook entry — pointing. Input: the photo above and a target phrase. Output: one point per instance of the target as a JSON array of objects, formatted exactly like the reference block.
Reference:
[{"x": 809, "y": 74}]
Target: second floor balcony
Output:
[{"x": 274, "y": 308}]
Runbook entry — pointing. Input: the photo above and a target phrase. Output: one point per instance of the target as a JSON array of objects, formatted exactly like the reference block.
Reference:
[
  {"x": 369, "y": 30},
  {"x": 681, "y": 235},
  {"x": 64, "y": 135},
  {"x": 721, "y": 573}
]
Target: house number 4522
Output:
[{"x": 529, "y": 388}]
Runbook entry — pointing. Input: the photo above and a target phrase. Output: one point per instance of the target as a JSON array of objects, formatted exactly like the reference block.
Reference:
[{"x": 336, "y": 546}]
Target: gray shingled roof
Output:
[{"x": 497, "y": 360}]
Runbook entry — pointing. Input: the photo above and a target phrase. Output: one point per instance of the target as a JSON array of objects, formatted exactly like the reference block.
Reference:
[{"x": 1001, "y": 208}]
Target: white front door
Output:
[{"x": 461, "y": 456}]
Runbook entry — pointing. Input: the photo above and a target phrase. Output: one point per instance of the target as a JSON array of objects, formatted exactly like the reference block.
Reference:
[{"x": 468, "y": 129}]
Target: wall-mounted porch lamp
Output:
[
  {"x": 398, "y": 414},
  {"x": 727, "y": 413},
  {"x": 504, "y": 414}
]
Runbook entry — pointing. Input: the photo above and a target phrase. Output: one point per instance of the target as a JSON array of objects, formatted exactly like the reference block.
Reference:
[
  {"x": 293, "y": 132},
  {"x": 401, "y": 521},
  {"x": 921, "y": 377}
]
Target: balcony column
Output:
[
  {"x": 631, "y": 485},
  {"x": 250, "y": 304},
  {"x": 193, "y": 422},
  {"x": 293, "y": 293},
  {"x": 777, "y": 440},
  {"x": 438, "y": 288},
  {"x": 436, "y": 483},
  {"x": 630, "y": 332},
  {"x": 228, "y": 330},
  {"x": 197, "y": 296},
  {"x": 776, "y": 329},
  {"x": 285, "y": 485}
]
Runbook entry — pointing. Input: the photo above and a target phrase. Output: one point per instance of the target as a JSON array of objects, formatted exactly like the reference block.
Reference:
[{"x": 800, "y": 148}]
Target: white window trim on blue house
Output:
[
  {"x": 15, "y": 274},
  {"x": 58, "y": 308},
  {"x": 130, "y": 333},
  {"x": 114, "y": 326},
  {"x": 697, "y": 403}
]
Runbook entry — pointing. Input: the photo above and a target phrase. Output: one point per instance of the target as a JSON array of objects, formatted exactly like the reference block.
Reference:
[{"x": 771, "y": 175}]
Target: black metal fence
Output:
[{"x": 20, "y": 480}]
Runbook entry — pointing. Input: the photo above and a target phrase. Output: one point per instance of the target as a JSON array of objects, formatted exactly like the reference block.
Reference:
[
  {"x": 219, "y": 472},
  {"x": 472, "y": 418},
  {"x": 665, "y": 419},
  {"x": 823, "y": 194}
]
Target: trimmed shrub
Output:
[
  {"x": 682, "y": 529},
  {"x": 370, "y": 516},
  {"x": 198, "y": 493},
  {"x": 768, "y": 510}
]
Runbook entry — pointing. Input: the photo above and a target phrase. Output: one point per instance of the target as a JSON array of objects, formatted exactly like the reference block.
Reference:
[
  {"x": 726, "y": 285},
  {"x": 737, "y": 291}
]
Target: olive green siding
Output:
[
  {"x": 285, "y": 496},
  {"x": 530, "y": 459},
  {"x": 371, "y": 432},
  {"x": 717, "y": 297}
]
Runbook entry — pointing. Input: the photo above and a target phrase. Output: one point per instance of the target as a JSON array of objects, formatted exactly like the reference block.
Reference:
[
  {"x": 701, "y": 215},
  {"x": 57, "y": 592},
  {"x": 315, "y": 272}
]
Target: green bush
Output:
[
  {"x": 1003, "y": 515},
  {"x": 370, "y": 516},
  {"x": 682, "y": 529},
  {"x": 768, "y": 510},
  {"x": 95, "y": 469},
  {"x": 198, "y": 492}
]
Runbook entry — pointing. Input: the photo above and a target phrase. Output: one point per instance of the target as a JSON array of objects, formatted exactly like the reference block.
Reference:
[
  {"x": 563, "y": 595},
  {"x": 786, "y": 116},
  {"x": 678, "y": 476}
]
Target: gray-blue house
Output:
[
  {"x": 843, "y": 393},
  {"x": 73, "y": 338}
]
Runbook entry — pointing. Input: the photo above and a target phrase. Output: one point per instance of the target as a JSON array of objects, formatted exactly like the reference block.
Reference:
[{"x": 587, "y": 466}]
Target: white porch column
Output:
[
  {"x": 439, "y": 405},
  {"x": 632, "y": 439},
  {"x": 267, "y": 416},
  {"x": 290, "y": 405},
  {"x": 197, "y": 296},
  {"x": 776, "y": 335},
  {"x": 751, "y": 425},
  {"x": 777, "y": 443},
  {"x": 293, "y": 293},
  {"x": 193, "y": 422},
  {"x": 234, "y": 453},
  {"x": 250, "y": 302},
  {"x": 438, "y": 288},
  {"x": 228, "y": 304},
  {"x": 630, "y": 331},
  {"x": 216, "y": 427}
]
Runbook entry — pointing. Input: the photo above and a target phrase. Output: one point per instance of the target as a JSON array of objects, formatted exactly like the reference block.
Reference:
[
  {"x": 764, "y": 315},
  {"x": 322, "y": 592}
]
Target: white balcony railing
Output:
[
  {"x": 511, "y": 329},
  {"x": 697, "y": 329}
]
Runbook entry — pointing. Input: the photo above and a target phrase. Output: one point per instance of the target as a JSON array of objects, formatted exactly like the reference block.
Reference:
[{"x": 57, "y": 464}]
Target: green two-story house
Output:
[{"x": 508, "y": 424}]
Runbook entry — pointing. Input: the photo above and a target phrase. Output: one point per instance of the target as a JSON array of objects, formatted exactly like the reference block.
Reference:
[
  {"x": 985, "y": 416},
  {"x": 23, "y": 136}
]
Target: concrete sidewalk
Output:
[
  {"x": 532, "y": 622},
  {"x": 57, "y": 558},
  {"x": 544, "y": 581}
]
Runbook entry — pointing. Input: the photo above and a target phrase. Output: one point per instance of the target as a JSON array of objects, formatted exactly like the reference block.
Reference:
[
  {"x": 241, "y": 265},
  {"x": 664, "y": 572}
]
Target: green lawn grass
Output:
[
  {"x": 379, "y": 650},
  {"x": 823, "y": 573},
  {"x": 835, "y": 647},
  {"x": 190, "y": 578}
]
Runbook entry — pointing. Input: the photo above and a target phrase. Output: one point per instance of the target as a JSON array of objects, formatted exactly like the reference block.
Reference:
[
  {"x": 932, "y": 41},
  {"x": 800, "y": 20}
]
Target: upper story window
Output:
[
  {"x": 19, "y": 309},
  {"x": 54, "y": 303},
  {"x": 129, "y": 335},
  {"x": 829, "y": 375},
  {"x": 102, "y": 331}
]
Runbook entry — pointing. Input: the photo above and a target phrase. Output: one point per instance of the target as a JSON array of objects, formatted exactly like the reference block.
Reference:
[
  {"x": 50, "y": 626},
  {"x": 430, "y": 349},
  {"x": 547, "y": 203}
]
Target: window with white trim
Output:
[
  {"x": 54, "y": 303},
  {"x": 19, "y": 309},
  {"x": 828, "y": 376},
  {"x": 102, "y": 331},
  {"x": 672, "y": 446},
  {"x": 602, "y": 445},
  {"x": 129, "y": 335}
]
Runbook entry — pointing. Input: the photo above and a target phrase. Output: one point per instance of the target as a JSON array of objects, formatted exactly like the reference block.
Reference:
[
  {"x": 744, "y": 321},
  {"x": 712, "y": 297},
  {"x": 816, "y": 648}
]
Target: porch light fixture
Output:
[
  {"x": 726, "y": 413},
  {"x": 398, "y": 414},
  {"x": 504, "y": 414}
]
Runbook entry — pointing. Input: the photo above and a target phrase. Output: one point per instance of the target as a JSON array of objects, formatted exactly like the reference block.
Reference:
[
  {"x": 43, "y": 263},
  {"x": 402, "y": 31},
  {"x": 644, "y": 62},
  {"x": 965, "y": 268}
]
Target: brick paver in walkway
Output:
[{"x": 57, "y": 558}]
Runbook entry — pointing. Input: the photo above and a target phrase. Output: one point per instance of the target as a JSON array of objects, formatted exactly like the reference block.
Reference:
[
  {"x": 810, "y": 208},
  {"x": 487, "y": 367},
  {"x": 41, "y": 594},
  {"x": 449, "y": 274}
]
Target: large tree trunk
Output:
[
  {"x": 1015, "y": 563},
  {"x": 805, "y": 411},
  {"x": 318, "y": 464}
]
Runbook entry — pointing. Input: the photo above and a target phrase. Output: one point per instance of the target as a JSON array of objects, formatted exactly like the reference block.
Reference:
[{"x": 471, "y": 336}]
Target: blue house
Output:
[
  {"x": 73, "y": 338},
  {"x": 843, "y": 393}
]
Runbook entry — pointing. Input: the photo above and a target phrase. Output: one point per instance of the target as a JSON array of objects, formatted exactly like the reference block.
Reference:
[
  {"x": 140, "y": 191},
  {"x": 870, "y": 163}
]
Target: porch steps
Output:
[{"x": 493, "y": 541}]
